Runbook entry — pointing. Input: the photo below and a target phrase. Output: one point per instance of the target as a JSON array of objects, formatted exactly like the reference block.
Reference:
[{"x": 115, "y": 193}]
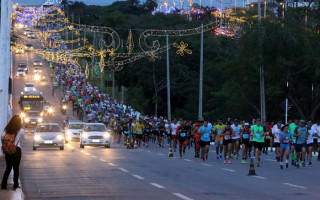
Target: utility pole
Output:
[
  {"x": 72, "y": 31},
  {"x": 259, "y": 10},
  {"x": 221, "y": 12},
  {"x": 168, "y": 81},
  {"x": 92, "y": 57},
  {"x": 286, "y": 119},
  {"x": 265, "y": 9},
  {"x": 201, "y": 75}
]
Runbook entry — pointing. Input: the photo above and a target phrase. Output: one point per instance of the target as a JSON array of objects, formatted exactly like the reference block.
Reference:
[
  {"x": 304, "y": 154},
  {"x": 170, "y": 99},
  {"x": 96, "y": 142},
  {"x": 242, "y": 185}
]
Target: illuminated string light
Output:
[{"x": 182, "y": 48}]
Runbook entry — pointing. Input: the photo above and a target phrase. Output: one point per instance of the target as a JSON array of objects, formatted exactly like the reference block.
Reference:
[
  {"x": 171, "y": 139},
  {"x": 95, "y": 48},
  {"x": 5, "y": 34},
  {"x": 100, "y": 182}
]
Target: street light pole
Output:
[
  {"x": 286, "y": 121},
  {"x": 168, "y": 81},
  {"x": 201, "y": 74}
]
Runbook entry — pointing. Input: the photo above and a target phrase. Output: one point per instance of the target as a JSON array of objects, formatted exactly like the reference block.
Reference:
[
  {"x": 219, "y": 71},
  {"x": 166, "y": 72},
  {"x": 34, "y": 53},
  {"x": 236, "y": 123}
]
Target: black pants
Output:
[{"x": 12, "y": 161}]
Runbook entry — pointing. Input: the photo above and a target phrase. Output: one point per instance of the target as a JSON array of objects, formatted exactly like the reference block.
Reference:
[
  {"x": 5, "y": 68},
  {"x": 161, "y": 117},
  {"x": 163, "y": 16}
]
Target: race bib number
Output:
[
  {"x": 245, "y": 136},
  {"x": 147, "y": 130},
  {"x": 139, "y": 131},
  {"x": 227, "y": 137},
  {"x": 258, "y": 136},
  {"x": 286, "y": 141},
  {"x": 219, "y": 132},
  {"x": 183, "y": 134},
  {"x": 126, "y": 132}
]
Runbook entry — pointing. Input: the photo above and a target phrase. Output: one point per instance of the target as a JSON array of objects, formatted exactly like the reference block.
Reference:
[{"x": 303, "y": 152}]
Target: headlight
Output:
[
  {"x": 68, "y": 132},
  {"x": 37, "y": 77},
  {"x": 85, "y": 135},
  {"x": 22, "y": 115},
  {"x": 106, "y": 135},
  {"x": 26, "y": 119},
  {"x": 22, "y": 51},
  {"x": 64, "y": 107},
  {"x": 36, "y": 137},
  {"x": 41, "y": 114},
  {"x": 50, "y": 110},
  {"x": 17, "y": 51},
  {"x": 69, "y": 138},
  {"x": 40, "y": 120},
  {"x": 59, "y": 137}
]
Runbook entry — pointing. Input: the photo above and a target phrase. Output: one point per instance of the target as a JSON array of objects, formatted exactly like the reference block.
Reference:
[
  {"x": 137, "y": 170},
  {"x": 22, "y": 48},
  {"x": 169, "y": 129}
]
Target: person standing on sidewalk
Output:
[{"x": 14, "y": 127}]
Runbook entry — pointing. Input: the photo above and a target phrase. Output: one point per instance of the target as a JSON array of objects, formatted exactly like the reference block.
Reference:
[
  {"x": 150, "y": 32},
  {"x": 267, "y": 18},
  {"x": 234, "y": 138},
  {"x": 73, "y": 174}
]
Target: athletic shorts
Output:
[
  {"x": 235, "y": 140},
  {"x": 310, "y": 145},
  {"x": 175, "y": 137},
  {"x": 277, "y": 145},
  {"x": 139, "y": 136},
  {"x": 204, "y": 143},
  {"x": 315, "y": 141},
  {"x": 218, "y": 143},
  {"x": 161, "y": 134},
  {"x": 183, "y": 142},
  {"x": 300, "y": 146},
  {"x": 258, "y": 145},
  {"x": 226, "y": 142},
  {"x": 246, "y": 142}
]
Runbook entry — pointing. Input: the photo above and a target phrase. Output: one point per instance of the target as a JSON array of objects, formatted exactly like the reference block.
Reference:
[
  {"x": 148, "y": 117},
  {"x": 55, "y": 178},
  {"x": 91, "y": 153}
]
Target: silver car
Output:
[
  {"x": 33, "y": 118},
  {"x": 48, "y": 135},
  {"x": 21, "y": 72},
  {"x": 95, "y": 134},
  {"x": 72, "y": 131}
]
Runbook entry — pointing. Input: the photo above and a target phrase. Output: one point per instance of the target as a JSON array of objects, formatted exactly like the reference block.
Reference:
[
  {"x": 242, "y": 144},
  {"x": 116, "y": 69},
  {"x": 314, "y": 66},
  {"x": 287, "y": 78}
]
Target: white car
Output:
[
  {"x": 37, "y": 70},
  {"x": 19, "y": 51},
  {"x": 31, "y": 35},
  {"x": 37, "y": 63},
  {"x": 95, "y": 134},
  {"x": 21, "y": 72},
  {"x": 29, "y": 87},
  {"x": 48, "y": 135},
  {"x": 72, "y": 131}
]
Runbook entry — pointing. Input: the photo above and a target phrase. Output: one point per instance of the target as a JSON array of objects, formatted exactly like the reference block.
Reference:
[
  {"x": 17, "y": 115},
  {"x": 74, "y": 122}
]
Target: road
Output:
[{"x": 146, "y": 173}]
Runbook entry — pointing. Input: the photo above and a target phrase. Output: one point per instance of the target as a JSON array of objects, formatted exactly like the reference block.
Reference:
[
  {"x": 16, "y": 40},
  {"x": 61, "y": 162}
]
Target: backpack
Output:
[{"x": 8, "y": 145}]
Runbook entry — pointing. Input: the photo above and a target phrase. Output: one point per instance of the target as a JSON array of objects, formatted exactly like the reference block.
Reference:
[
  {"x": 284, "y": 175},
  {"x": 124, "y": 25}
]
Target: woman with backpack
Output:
[{"x": 11, "y": 147}]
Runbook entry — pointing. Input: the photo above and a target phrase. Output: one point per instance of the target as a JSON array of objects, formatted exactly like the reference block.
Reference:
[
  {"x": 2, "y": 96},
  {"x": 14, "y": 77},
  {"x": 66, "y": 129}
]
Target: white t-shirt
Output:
[
  {"x": 237, "y": 130},
  {"x": 310, "y": 136},
  {"x": 174, "y": 128},
  {"x": 316, "y": 129},
  {"x": 276, "y": 131}
]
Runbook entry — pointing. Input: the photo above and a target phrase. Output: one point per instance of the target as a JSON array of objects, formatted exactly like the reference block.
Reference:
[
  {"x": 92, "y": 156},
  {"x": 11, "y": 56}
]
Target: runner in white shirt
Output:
[
  {"x": 174, "y": 126},
  {"x": 276, "y": 131},
  {"x": 310, "y": 136},
  {"x": 316, "y": 140},
  {"x": 236, "y": 139}
]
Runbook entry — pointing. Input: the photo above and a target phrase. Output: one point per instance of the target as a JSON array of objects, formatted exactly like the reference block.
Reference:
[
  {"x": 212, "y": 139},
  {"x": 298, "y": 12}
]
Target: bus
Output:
[{"x": 31, "y": 101}]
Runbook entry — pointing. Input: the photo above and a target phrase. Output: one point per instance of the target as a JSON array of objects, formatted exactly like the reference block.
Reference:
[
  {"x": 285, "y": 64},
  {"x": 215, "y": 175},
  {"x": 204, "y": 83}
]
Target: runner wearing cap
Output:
[
  {"x": 245, "y": 139},
  {"x": 258, "y": 139},
  {"x": 301, "y": 135}
]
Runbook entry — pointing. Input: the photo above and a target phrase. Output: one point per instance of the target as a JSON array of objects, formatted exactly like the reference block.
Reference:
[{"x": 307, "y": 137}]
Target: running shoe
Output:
[
  {"x": 174, "y": 150},
  {"x": 207, "y": 157},
  {"x": 287, "y": 165},
  {"x": 297, "y": 165},
  {"x": 281, "y": 166},
  {"x": 303, "y": 164},
  {"x": 184, "y": 153},
  {"x": 232, "y": 156},
  {"x": 229, "y": 161},
  {"x": 243, "y": 162},
  {"x": 225, "y": 162},
  {"x": 237, "y": 156},
  {"x": 220, "y": 156},
  {"x": 180, "y": 156}
]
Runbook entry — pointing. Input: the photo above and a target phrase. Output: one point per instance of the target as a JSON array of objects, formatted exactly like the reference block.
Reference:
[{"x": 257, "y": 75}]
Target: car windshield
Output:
[
  {"x": 28, "y": 45},
  {"x": 29, "y": 85},
  {"x": 37, "y": 61},
  {"x": 91, "y": 128},
  {"x": 76, "y": 126},
  {"x": 22, "y": 65},
  {"x": 48, "y": 128},
  {"x": 20, "y": 70}
]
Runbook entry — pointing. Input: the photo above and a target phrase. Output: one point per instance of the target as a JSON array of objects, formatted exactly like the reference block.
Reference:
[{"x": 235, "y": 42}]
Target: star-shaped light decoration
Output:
[
  {"x": 77, "y": 33},
  {"x": 70, "y": 27},
  {"x": 111, "y": 52},
  {"x": 153, "y": 57},
  {"x": 182, "y": 48}
]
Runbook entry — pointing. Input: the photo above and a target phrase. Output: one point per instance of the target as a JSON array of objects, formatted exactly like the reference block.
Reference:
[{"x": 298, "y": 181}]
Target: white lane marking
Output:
[
  {"x": 206, "y": 165},
  {"x": 102, "y": 160},
  {"x": 174, "y": 157},
  {"x": 270, "y": 160},
  {"x": 213, "y": 151},
  {"x": 139, "y": 149},
  {"x": 296, "y": 186},
  {"x": 94, "y": 156},
  {"x": 137, "y": 176},
  {"x": 187, "y": 160},
  {"x": 88, "y": 154},
  {"x": 182, "y": 196},
  {"x": 157, "y": 185},
  {"x": 160, "y": 154},
  {"x": 111, "y": 164},
  {"x": 260, "y": 177},
  {"x": 230, "y": 170},
  {"x": 148, "y": 151},
  {"x": 81, "y": 151},
  {"x": 124, "y": 170}
]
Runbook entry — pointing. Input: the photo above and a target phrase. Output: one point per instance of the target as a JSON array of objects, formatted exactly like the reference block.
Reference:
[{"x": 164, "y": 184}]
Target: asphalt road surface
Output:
[{"x": 146, "y": 173}]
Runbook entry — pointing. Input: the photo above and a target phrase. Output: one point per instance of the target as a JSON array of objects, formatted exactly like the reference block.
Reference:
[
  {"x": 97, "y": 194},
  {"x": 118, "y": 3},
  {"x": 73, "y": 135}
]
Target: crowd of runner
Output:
[{"x": 298, "y": 139}]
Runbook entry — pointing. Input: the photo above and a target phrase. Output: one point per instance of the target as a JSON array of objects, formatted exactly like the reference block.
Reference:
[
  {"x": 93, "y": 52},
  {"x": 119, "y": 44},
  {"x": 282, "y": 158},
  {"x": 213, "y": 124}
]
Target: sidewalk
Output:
[{"x": 9, "y": 194}]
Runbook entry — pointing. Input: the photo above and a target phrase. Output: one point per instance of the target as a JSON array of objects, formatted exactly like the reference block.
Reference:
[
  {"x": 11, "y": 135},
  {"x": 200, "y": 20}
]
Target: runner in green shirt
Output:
[
  {"x": 258, "y": 139},
  {"x": 292, "y": 128}
]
